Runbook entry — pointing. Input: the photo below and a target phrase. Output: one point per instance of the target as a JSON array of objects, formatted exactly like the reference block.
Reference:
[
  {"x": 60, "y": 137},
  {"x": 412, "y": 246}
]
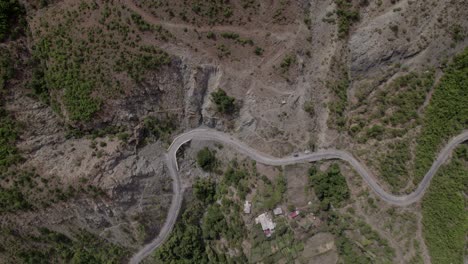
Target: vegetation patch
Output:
[
  {"x": 6, "y": 68},
  {"x": 206, "y": 159},
  {"x": 11, "y": 18},
  {"x": 272, "y": 192},
  {"x": 50, "y": 246},
  {"x": 366, "y": 245},
  {"x": 157, "y": 128},
  {"x": 394, "y": 165},
  {"x": 224, "y": 103},
  {"x": 83, "y": 59},
  {"x": 347, "y": 15},
  {"x": 338, "y": 106},
  {"x": 445, "y": 220},
  {"x": 446, "y": 115},
  {"x": 330, "y": 186},
  {"x": 8, "y": 135}
]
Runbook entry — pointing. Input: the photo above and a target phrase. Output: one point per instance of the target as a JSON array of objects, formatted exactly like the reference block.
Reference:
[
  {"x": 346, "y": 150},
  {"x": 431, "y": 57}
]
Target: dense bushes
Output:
[
  {"x": 12, "y": 200},
  {"x": 6, "y": 69},
  {"x": 272, "y": 193},
  {"x": 150, "y": 59},
  {"x": 11, "y": 12},
  {"x": 205, "y": 190},
  {"x": 446, "y": 115},
  {"x": 224, "y": 103},
  {"x": 338, "y": 106},
  {"x": 185, "y": 245},
  {"x": 405, "y": 95},
  {"x": 8, "y": 135},
  {"x": 330, "y": 186},
  {"x": 157, "y": 128},
  {"x": 445, "y": 220},
  {"x": 393, "y": 165},
  {"x": 346, "y": 15},
  {"x": 56, "y": 247},
  {"x": 206, "y": 159}
]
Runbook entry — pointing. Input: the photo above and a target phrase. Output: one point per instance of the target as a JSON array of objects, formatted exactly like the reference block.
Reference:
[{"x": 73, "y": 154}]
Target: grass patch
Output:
[{"x": 445, "y": 219}]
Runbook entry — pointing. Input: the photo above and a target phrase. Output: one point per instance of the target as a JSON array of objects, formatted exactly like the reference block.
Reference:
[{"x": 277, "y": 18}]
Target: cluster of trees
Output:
[
  {"x": 341, "y": 225},
  {"x": 224, "y": 103},
  {"x": 445, "y": 219},
  {"x": 338, "y": 106},
  {"x": 203, "y": 223},
  {"x": 330, "y": 186},
  {"x": 205, "y": 190},
  {"x": 6, "y": 69},
  {"x": 206, "y": 159},
  {"x": 346, "y": 15},
  {"x": 446, "y": 115},
  {"x": 157, "y": 128},
  {"x": 8, "y": 135},
  {"x": 11, "y": 12},
  {"x": 56, "y": 247},
  {"x": 186, "y": 244},
  {"x": 272, "y": 193}
]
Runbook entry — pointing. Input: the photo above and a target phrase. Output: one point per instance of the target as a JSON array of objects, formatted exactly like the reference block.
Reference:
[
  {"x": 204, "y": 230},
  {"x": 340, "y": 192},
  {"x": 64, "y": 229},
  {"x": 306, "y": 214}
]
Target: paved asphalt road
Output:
[{"x": 212, "y": 135}]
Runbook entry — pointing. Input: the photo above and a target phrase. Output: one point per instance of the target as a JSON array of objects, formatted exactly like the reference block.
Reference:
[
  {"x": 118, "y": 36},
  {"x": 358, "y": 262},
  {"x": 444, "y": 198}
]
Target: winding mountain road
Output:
[{"x": 203, "y": 134}]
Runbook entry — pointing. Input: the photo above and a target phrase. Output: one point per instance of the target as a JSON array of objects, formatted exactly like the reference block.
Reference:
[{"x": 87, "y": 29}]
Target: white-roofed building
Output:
[
  {"x": 247, "y": 207},
  {"x": 278, "y": 211},
  {"x": 267, "y": 224}
]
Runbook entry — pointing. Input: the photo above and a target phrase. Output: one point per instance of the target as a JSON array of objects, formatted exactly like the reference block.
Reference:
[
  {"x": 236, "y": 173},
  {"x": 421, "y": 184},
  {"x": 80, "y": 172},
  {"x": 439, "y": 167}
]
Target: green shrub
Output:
[
  {"x": 224, "y": 103},
  {"x": 6, "y": 68},
  {"x": 309, "y": 108},
  {"x": 458, "y": 33},
  {"x": 287, "y": 62},
  {"x": 346, "y": 17},
  {"x": 258, "y": 51},
  {"x": 445, "y": 116},
  {"x": 445, "y": 220},
  {"x": 8, "y": 135},
  {"x": 11, "y": 13},
  {"x": 206, "y": 159},
  {"x": 330, "y": 186},
  {"x": 158, "y": 128},
  {"x": 205, "y": 190}
]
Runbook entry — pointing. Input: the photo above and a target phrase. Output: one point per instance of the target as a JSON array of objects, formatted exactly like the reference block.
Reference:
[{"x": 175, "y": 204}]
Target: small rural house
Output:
[
  {"x": 267, "y": 224},
  {"x": 278, "y": 211},
  {"x": 247, "y": 207}
]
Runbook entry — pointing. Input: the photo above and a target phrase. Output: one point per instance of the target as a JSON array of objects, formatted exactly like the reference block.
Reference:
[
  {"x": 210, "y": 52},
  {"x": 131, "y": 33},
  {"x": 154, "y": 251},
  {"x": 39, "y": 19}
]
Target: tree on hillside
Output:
[{"x": 224, "y": 103}]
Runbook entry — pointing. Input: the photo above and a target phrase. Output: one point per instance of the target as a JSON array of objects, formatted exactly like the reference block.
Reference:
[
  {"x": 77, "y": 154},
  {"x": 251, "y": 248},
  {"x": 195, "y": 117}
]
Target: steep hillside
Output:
[{"x": 93, "y": 92}]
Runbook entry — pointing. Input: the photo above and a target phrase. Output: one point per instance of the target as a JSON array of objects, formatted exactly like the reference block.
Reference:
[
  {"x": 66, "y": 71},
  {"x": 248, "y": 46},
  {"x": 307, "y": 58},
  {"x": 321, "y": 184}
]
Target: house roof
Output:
[
  {"x": 266, "y": 222},
  {"x": 278, "y": 211},
  {"x": 247, "y": 207}
]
